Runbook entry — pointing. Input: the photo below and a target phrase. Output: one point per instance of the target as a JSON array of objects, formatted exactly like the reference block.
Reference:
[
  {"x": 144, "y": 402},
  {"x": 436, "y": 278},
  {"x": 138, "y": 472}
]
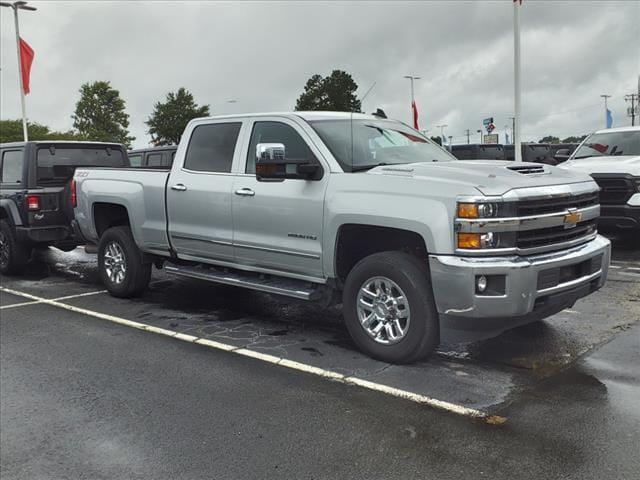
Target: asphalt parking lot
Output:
[{"x": 194, "y": 380}]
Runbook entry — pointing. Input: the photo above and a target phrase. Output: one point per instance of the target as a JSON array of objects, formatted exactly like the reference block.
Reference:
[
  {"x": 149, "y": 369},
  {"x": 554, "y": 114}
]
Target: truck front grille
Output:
[
  {"x": 615, "y": 190},
  {"x": 527, "y": 208},
  {"x": 547, "y": 237}
]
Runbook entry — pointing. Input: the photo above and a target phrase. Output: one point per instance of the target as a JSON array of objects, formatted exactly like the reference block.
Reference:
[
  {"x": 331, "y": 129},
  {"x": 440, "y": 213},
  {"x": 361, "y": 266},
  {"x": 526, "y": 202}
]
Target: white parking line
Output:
[
  {"x": 24, "y": 304},
  {"x": 283, "y": 362}
]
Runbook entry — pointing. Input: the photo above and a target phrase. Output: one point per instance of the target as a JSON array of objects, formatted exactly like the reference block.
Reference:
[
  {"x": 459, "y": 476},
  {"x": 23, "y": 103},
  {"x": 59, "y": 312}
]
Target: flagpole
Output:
[
  {"x": 20, "y": 5},
  {"x": 24, "y": 108},
  {"x": 516, "y": 75}
]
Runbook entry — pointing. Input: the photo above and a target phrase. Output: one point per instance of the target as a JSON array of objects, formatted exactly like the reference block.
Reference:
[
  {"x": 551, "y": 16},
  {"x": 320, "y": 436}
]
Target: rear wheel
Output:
[
  {"x": 14, "y": 256},
  {"x": 121, "y": 265},
  {"x": 389, "y": 308}
]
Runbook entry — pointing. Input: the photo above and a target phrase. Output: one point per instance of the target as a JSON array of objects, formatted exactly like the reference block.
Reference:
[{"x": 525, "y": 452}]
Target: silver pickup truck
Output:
[{"x": 352, "y": 209}]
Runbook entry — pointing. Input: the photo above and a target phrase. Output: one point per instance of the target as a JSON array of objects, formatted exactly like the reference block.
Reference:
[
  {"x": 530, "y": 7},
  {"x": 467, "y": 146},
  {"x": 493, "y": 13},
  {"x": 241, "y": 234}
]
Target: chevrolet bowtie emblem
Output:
[{"x": 572, "y": 218}]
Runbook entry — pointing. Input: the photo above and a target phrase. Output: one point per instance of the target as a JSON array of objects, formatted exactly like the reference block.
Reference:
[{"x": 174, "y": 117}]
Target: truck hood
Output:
[
  {"x": 621, "y": 164},
  {"x": 489, "y": 177}
]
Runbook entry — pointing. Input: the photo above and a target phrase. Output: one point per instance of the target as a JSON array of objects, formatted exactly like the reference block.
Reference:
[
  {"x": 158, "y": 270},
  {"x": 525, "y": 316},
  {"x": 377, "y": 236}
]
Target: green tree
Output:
[
  {"x": 168, "y": 120},
  {"x": 549, "y": 139},
  {"x": 574, "y": 139},
  {"x": 336, "y": 92},
  {"x": 100, "y": 114},
  {"x": 11, "y": 131}
]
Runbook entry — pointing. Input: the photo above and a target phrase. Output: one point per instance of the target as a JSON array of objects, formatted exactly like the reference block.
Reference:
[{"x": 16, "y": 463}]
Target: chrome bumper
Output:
[{"x": 462, "y": 308}]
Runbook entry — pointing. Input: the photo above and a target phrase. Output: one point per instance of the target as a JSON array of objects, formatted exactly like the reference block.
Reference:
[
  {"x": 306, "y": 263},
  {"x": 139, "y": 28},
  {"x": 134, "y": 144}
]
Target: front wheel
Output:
[
  {"x": 121, "y": 265},
  {"x": 389, "y": 308}
]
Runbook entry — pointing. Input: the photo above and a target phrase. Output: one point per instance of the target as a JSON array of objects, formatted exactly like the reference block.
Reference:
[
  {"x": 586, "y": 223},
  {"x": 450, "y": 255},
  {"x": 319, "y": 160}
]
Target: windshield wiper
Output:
[
  {"x": 589, "y": 156},
  {"x": 361, "y": 168}
]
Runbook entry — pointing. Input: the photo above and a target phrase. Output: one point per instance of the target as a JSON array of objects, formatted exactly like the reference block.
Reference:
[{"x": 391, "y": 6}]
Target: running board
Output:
[{"x": 270, "y": 284}]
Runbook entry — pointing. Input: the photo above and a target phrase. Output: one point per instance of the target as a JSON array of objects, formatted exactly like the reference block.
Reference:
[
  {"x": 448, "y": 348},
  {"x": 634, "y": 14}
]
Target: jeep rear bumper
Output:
[
  {"x": 48, "y": 235},
  {"x": 520, "y": 289}
]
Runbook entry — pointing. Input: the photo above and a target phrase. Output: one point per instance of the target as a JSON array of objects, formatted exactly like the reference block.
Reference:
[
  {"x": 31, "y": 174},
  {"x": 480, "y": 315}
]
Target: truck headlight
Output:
[{"x": 477, "y": 210}]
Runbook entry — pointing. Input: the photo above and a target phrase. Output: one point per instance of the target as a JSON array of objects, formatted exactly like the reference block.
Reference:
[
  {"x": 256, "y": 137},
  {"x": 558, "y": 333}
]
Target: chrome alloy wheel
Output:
[
  {"x": 4, "y": 249},
  {"x": 383, "y": 310},
  {"x": 115, "y": 263}
]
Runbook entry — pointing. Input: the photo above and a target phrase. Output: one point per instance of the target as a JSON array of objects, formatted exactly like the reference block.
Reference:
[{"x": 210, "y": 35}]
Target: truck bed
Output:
[{"x": 141, "y": 191}]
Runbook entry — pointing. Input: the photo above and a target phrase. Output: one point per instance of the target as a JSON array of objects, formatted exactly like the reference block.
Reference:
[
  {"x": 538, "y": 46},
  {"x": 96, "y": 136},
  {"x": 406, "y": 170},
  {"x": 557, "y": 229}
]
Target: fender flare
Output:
[{"x": 11, "y": 208}]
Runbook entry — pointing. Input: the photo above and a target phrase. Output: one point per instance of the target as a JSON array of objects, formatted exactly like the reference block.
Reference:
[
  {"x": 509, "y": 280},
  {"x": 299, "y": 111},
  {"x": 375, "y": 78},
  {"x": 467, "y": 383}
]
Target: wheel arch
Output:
[{"x": 355, "y": 241}]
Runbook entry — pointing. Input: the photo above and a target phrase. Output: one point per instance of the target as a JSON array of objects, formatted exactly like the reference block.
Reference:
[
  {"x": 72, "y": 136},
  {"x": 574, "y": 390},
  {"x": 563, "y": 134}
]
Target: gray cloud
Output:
[{"x": 261, "y": 54}]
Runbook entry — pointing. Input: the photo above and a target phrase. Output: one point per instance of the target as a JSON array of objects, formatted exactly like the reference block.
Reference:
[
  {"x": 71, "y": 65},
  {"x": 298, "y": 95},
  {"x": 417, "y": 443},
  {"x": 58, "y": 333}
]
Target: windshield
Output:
[
  {"x": 609, "y": 144},
  {"x": 376, "y": 142}
]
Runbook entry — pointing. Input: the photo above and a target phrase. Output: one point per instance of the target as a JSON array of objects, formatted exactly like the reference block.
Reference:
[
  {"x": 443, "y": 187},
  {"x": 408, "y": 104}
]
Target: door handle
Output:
[
  {"x": 179, "y": 187},
  {"x": 245, "y": 192}
]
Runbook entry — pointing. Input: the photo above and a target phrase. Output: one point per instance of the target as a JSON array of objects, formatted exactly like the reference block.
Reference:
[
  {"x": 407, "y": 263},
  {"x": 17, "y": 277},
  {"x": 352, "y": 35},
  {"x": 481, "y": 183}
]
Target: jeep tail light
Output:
[
  {"x": 74, "y": 196},
  {"x": 33, "y": 203}
]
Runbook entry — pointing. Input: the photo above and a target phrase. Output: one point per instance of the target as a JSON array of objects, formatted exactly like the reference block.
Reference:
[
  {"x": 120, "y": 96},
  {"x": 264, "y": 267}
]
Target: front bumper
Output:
[{"x": 528, "y": 296}]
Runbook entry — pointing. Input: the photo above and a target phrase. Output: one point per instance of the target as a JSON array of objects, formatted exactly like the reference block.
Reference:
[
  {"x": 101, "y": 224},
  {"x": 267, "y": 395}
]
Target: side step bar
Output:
[{"x": 276, "y": 285}]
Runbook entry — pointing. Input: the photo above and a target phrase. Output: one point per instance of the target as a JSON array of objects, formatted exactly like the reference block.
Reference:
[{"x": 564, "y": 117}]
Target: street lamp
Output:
[
  {"x": 20, "y": 6},
  {"x": 606, "y": 116},
  {"x": 479, "y": 132},
  {"x": 441, "y": 127},
  {"x": 413, "y": 100}
]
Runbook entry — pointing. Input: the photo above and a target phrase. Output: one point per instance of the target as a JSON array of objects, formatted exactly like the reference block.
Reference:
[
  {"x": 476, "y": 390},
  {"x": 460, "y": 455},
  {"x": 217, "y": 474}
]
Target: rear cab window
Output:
[
  {"x": 57, "y": 164},
  {"x": 211, "y": 147},
  {"x": 12, "y": 167}
]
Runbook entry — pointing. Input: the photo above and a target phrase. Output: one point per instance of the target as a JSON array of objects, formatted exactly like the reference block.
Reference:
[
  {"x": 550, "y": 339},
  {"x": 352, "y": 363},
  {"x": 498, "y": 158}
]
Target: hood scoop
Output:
[{"x": 529, "y": 169}]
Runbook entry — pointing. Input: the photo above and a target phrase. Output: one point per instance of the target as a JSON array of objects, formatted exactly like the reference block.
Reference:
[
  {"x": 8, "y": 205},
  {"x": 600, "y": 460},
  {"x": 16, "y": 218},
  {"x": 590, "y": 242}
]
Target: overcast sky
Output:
[{"x": 260, "y": 54}]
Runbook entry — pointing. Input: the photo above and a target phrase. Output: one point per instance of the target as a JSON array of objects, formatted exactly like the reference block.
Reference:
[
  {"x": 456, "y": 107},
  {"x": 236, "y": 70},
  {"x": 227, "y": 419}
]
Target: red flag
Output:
[
  {"x": 26, "y": 59},
  {"x": 415, "y": 115}
]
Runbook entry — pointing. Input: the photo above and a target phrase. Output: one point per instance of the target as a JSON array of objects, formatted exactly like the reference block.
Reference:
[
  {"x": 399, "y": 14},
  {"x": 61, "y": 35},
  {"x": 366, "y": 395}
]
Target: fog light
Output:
[{"x": 481, "y": 283}]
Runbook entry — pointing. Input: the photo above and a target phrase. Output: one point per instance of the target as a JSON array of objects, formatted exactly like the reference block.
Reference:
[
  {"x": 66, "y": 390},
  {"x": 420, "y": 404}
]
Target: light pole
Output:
[
  {"x": 441, "y": 127},
  {"x": 480, "y": 133},
  {"x": 517, "y": 5},
  {"x": 20, "y": 6},
  {"x": 605, "y": 109},
  {"x": 413, "y": 100}
]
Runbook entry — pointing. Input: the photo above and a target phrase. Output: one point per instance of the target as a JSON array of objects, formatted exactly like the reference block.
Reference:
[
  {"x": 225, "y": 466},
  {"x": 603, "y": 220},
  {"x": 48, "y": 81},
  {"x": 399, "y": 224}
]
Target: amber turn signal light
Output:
[
  {"x": 467, "y": 210},
  {"x": 469, "y": 240}
]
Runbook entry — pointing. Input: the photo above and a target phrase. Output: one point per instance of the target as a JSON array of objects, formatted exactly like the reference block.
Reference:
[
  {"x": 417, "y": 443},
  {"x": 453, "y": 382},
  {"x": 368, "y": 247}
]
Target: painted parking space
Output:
[{"x": 480, "y": 377}]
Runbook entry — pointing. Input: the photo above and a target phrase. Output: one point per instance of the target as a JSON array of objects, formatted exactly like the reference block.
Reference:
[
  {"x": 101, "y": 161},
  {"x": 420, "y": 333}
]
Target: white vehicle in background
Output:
[{"x": 612, "y": 158}]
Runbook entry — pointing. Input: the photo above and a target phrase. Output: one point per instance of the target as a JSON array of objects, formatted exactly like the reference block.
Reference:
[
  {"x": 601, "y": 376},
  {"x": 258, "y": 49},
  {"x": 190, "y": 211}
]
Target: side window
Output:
[
  {"x": 154, "y": 159},
  {"x": 135, "y": 159},
  {"x": 211, "y": 147},
  {"x": 275, "y": 132},
  {"x": 11, "y": 166}
]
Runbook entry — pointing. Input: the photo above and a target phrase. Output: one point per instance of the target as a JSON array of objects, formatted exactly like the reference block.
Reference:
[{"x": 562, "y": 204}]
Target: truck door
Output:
[
  {"x": 278, "y": 225},
  {"x": 199, "y": 193}
]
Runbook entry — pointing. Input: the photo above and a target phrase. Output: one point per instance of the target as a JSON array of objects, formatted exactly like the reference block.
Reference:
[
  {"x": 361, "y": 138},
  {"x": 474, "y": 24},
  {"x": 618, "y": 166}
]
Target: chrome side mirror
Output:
[{"x": 270, "y": 152}]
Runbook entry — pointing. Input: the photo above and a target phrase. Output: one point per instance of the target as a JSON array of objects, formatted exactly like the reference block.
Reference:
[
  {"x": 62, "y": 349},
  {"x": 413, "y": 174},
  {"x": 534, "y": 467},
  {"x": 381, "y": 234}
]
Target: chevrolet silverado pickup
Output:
[
  {"x": 612, "y": 158},
  {"x": 36, "y": 194},
  {"x": 353, "y": 209}
]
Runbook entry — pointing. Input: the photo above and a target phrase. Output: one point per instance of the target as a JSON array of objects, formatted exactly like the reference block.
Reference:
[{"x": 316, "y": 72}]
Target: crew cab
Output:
[
  {"x": 354, "y": 209},
  {"x": 37, "y": 194},
  {"x": 612, "y": 158}
]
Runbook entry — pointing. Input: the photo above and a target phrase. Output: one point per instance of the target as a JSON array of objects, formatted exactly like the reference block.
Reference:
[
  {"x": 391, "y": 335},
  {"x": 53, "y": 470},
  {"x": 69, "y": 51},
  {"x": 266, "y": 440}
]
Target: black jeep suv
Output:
[{"x": 37, "y": 194}]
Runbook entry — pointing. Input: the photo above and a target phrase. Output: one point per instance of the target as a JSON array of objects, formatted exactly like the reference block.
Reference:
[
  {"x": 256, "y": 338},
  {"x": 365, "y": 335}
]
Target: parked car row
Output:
[
  {"x": 547, "y": 153},
  {"x": 334, "y": 208}
]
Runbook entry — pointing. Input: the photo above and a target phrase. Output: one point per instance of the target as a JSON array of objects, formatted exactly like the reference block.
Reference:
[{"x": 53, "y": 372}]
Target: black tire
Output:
[
  {"x": 137, "y": 273},
  {"x": 411, "y": 274},
  {"x": 14, "y": 255}
]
